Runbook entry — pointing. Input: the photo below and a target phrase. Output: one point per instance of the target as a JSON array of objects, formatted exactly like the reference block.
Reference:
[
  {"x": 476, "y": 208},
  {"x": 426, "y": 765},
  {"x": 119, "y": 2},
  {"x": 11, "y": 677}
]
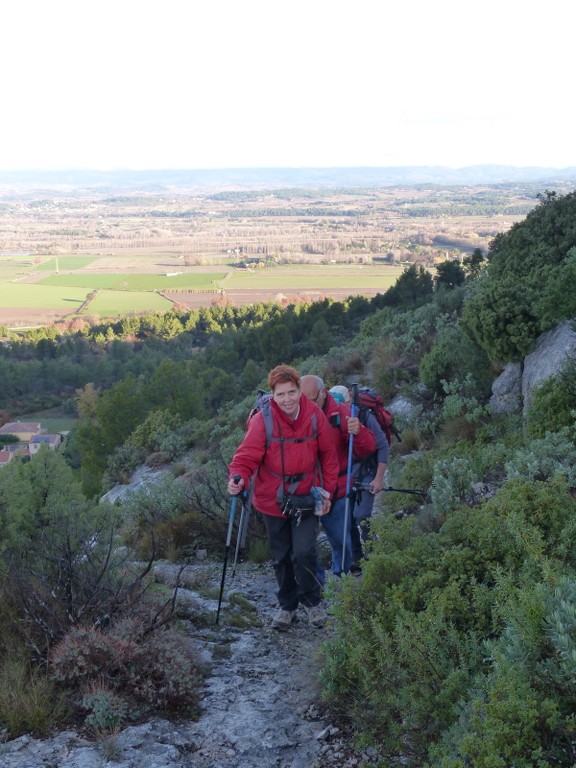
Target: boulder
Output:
[
  {"x": 553, "y": 349},
  {"x": 507, "y": 390},
  {"x": 142, "y": 478}
]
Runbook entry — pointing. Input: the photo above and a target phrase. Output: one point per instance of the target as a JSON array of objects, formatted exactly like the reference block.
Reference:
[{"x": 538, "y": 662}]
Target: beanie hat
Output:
[{"x": 339, "y": 393}]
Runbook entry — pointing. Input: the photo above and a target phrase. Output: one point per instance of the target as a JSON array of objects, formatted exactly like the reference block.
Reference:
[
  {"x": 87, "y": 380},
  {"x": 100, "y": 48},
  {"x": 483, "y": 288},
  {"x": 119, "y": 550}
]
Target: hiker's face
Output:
[
  {"x": 286, "y": 396},
  {"x": 311, "y": 390}
]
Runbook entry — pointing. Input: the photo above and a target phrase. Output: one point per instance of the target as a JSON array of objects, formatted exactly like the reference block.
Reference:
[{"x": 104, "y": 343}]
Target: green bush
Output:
[
  {"x": 553, "y": 404},
  {"x": 503, "y": 724},
  {"x": 452, "y": 357},
  {"x": 155, "y": 430},
  {"x": 106, "y": 710},
  {"x": 399, "y": 684},
  {"x": 410, "y": 648},
  {"x": 121, "y": 464},
  {"x": 521, "y": 710},
  {"x": 554, "y": 454},
  {"x": 522, "y": 292},
  {"x": 451, "y": 481}
]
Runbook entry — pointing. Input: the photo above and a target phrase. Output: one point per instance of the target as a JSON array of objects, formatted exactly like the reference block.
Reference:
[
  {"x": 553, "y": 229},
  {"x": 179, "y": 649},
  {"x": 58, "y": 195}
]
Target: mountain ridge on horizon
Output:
[{"x": 281, "y": 177}]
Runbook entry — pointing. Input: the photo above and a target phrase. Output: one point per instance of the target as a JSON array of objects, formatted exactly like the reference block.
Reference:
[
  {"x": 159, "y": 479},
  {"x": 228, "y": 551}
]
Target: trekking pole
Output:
[
  {"x": 366, "y": 487},
  {"x": 240, "y": 536},
  {"x": 353, "y": 412},
  {"x": 236, "y": 479}
]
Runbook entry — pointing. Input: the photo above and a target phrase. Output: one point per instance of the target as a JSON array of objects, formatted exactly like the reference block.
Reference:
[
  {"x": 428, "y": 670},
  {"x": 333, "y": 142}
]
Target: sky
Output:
[{"x": 185, "y": 84}]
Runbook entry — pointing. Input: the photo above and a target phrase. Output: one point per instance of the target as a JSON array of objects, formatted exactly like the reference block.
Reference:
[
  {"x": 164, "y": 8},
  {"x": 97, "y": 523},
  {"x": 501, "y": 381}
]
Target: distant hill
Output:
[{"x": 203, "y": 180}]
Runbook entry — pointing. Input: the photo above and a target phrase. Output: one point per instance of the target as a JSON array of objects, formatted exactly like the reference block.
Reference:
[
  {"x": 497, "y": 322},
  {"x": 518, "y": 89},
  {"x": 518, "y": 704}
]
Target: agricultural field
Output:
[
  {"x": 64, "y": 263},
  {"x": 138, "y": 282},
  {"x": 68, "y": 254},
  {"x": 118, "y": 303}
]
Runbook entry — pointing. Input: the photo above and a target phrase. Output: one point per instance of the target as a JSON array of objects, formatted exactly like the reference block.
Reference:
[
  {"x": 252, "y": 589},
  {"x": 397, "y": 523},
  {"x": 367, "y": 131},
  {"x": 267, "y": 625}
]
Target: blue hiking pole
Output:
[
  {"x": 353, "y": 412},
  {"x": 236, "y": 479}
]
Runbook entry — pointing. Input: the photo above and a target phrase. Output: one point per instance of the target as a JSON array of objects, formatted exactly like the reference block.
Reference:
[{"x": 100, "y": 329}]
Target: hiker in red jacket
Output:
[
  {"x": 299, "y": 457},
  {"x": 343, "y": 426}
]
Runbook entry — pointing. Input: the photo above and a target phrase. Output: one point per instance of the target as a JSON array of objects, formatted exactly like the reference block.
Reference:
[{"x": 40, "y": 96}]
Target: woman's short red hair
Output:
[{"x": 281, "y": 374}]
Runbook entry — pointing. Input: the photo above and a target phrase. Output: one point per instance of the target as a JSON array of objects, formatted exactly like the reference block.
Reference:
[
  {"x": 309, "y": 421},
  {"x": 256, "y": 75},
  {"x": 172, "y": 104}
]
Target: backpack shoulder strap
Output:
[{"x": 268, "y": 419}]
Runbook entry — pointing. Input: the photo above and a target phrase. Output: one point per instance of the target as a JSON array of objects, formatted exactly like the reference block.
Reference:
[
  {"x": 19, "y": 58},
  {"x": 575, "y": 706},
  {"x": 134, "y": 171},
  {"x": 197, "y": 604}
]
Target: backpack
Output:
[
  {"x": 368, "y": 399},
  {"x": 262, "y": 404}
]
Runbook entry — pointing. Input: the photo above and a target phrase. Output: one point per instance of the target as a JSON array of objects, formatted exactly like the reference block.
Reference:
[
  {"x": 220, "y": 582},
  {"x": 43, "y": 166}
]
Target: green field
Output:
[
  {"x": 65, "y": 262},
  {"x": 139, "y": 282},
  {"x": 37, "y": 295},
  {"x": 52, "y": 420},
  {"x": 317, "y": 277},
  {"x": 126, "y": 293},
  {"x": 113, "y": 303}
]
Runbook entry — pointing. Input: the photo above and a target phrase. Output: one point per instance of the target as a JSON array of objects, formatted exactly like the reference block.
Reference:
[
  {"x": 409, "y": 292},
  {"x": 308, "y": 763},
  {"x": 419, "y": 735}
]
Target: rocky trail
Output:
[{"x": 260, "y": 707}]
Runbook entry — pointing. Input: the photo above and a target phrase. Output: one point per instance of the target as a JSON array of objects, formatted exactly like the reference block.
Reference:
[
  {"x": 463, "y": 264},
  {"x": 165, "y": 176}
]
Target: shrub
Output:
[
  {"x": 179, "y": 537},
  {"x": 455, "y": 357},
  {"x": 520, "y": 711},
  {"x": 503, "y": 724},
  {"x": 553, "y": 454},
  {"x": 59, "y": 554},
  {"x": 553, "y": 404},
  {"x": 79, "y": 576},
  {"x": 106, "y": 710},
  {"x": 126, "y": 670},
  {"x": 157, "y": 428},
  {"x": 399, "y": 685},
  {"x": 121, "y": 464},
  {"x": 451, "y": 481},
  {"x": 87, "y": 654},
  {"x": 174, "y": 445},
  {"x": 157, "y": 459},
  {"x": 168, "y": 673},
  {"x": 407, "y": 665}
]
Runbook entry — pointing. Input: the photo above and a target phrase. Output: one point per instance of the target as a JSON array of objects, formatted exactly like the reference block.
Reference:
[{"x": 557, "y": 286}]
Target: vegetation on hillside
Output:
[
  {"x": 457, "y": 646},
  {"x": 524, "y": 292}
]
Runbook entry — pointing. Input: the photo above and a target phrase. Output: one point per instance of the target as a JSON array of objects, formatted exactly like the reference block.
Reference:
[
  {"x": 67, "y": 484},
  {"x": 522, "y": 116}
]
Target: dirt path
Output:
[{"x": 261, "y": 707}]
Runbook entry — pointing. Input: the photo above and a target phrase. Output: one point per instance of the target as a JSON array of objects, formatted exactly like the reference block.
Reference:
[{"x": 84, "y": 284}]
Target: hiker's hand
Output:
[
  {"x": 326, "y": 504},
  {"x": 353, "y": 425},
  {"x": 377, "y": 482},
  {"x": 234, "y": 488},
  {"x": 376, "y": 485}
]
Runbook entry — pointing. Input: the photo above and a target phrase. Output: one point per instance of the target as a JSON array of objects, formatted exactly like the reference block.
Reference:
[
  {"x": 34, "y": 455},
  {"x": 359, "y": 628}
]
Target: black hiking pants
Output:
[{"x": 294, "y": 557}]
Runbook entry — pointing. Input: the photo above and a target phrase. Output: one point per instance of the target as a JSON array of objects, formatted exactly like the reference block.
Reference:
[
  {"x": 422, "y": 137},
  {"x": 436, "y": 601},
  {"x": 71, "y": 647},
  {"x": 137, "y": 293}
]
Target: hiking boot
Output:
[
  {"x": 356, "y": 567},
  {"x": 282, "y": 619},
  {"x": 316, "y": 615}
]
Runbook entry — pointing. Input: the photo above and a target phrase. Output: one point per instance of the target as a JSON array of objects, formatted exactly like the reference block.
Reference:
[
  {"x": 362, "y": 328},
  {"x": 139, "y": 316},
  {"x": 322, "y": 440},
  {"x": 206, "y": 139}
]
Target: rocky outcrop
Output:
[
  {"x": 142, "y": 477},
  {"x": 507, "y": 390},
  {"x": 513, "y": 390},
  {"x": 550, "y": 355}
]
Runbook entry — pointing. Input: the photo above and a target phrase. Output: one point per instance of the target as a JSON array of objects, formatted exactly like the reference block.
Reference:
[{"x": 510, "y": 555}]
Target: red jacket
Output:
[
  {"x": 364, "y": 442},
  {"x": 312, "y": 461}
]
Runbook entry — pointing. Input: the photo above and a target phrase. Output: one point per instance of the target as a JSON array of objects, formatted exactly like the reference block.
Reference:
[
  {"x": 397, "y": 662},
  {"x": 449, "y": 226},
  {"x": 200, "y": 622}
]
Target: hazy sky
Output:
[{"x": 134, "y": 84}]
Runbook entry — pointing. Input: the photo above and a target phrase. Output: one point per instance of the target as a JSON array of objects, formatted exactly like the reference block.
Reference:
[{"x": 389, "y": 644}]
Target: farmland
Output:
[{"x": 69, "y": 253}]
